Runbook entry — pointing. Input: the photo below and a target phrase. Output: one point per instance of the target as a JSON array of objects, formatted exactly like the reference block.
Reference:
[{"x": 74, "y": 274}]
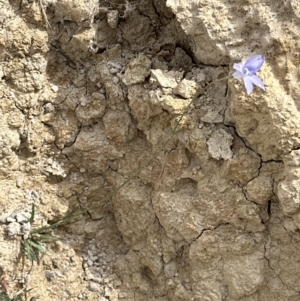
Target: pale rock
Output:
[
  {"x": 112, "y": 18},
  {"x": 186, "y": 88},
  {"x": 212, "y": 117},
  {"x": 171, "y": 104},
  {"x": 260, "y": 189},
  {"x": 118, "y": 126},
  {"x": 94, "y": 287},
  {"x": 288, "y": 190},
  {"x": 13, "y": 229},
  {"x": 93, "y": 110},
  {"x": 137, "y": 70},
  {"x": 219, "y": 145},
  {"x": 22, "y": 217},
  {"x": 75, "y": 10},
  {"x": 166, "y": 79},
  {"x": 244, "y": 274},
  {"x": 66, "y": 128},
  {"x": 170, "y": 269}
]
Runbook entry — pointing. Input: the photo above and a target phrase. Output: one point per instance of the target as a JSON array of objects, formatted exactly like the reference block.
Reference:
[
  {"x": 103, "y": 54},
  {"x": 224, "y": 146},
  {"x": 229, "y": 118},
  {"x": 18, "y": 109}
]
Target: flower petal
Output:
[
  {"x": 237, "y": 74},
  {"x": 248, "y": 84},
  {"x": 257, "y": 81},
  {"x": 238, "y": 67},
  {"x": 254, "y": 63}
]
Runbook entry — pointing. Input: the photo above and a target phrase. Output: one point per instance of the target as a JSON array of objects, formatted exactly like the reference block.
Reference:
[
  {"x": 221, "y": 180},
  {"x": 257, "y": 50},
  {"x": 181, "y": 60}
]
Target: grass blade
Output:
[
  {"x": 4, "y": 297},
  {"x": 37, "y": 246},
  {"x": 29, "y": 252},
  {"x": 45, "y": 238}
]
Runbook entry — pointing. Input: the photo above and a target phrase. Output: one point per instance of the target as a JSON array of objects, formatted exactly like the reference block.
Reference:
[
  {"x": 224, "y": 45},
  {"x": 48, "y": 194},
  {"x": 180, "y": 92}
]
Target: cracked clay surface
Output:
[{"x": 90, "y": 90}]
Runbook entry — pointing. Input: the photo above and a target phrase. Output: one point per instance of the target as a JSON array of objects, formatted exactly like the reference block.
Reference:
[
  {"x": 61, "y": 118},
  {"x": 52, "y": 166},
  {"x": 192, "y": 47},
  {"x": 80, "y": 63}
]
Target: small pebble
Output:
[
  {"x": 94, "y": 287},
  {"x": 49, "y": 274},
  {"x": 22, "y": 217},
  {"x": 13, "y": 229},
  {"x": 115, "y": 79},
  {"x": 10, "y": 219}
]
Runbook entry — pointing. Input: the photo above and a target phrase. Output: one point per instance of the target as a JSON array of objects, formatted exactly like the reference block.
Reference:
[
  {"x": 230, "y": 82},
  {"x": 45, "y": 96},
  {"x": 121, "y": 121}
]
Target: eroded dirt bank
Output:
[{"x": 91, "y": 96}]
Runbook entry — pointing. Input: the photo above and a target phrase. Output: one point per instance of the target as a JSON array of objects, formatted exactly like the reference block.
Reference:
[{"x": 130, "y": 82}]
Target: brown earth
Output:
[{"x": 89, "y": 92}]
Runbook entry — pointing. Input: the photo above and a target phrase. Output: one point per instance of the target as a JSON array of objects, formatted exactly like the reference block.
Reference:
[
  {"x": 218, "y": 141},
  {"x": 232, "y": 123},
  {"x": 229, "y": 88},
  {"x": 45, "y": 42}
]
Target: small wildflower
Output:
[{"x": 247, "y": 71}]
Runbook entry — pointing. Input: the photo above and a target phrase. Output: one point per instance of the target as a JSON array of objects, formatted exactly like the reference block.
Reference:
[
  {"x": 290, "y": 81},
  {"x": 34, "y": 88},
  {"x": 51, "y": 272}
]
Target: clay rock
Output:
[
  {"x": 112, "y": 18},
  {"x": 171, "y": 104},
  {"x": 289, "y": 189},
  {"x": 219, "y": 145},
  {"x": 90, "y": 110},
  {"x": 75, "y": 10},
  {"x": 92, "y": 150},
  {"x": 66, "y": 128},
  {"x": 137, "y": 70},
  {"x": 138, "y": 32},
  {"x": 133, "y": 211},
  {"x": 166, "y": 79},
  {"x": 260, "y": 189},
  {"x": 118, "y": 126},
  {"x": 231, "y": 264},
  {"x": 186, "y": 88},
  {"x": 180, "y": 219},
  {"x": 212, "y": 117},
  {"x": 242, "y": 167}
]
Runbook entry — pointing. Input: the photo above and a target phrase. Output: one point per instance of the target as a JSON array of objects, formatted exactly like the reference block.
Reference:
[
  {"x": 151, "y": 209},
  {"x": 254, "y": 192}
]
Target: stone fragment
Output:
[
  {"x": 13, "y": 229},
  {"x": 166, "y": 79},
  {"x": 170, "y": 269},
  {"x": 22, "y": 217},
  {"x": 260, "y": 189},
  {"x": 296, "y": 8},
  {"x": 91, "y": 111},
  {"x": 92, "y": 149},
  {"x": 94, "y": 287},
  {"x": 212, "y": 117},
  {"x": 118, "y": 126},
  {"x": 172, "y": 104},
  {"x": 49, "y": 274},
  {"x": 219, "y": 145},
  {"x": 244, "y": 274},
  {"x": 242, "y": 167},
  {"x": 10, "y": 219},
  {"x": 137, "y": 70},
  {"x": 289, "y": 189},
  {"x": 66, "y": 128},
  {"x": 75, "y": 10},
  {"x": 112, "y": 17},
  {"x": 186, "y": 88},
  {"x": 25, "y": 229},
  {"x": 54, "y": 168}
]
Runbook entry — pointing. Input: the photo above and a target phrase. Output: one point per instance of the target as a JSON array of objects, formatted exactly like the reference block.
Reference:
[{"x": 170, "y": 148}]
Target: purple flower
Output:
[{"x": 247, "y": 71}]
